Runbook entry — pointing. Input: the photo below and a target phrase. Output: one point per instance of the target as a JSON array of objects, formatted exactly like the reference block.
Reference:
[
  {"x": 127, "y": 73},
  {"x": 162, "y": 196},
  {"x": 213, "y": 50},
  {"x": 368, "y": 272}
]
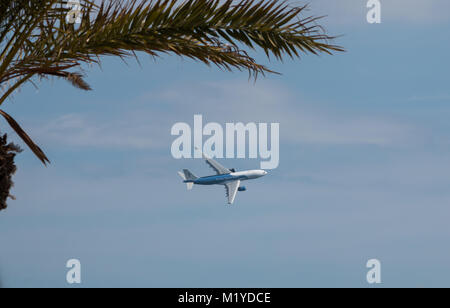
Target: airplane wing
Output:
[
  {"x": 216, "y": 166},
  {"x": 232, "y": 188}
]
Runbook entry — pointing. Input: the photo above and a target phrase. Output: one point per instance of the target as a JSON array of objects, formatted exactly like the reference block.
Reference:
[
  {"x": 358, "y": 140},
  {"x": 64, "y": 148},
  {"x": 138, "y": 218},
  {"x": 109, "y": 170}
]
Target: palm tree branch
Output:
[
  {"x": 36, "y": 39},
  {"x": 277, "y": 29},
  {"x": 36, "y": 150},
  {"x": 198, "y": 29}
]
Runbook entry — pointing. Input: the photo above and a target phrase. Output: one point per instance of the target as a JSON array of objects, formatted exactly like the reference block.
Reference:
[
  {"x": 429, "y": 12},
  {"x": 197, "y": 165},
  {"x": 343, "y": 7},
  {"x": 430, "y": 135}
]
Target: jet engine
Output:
[{"x": 242, "y": 188}]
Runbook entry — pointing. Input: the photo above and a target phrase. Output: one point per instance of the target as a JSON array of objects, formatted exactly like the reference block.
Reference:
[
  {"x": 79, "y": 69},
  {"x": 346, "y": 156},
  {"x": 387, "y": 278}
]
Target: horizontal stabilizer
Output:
[{"x": 181, "y": 174}]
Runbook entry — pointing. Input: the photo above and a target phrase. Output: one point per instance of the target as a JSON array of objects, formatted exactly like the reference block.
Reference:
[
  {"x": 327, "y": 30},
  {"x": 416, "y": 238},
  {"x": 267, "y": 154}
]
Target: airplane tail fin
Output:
[{"x": 188, "y": 178}]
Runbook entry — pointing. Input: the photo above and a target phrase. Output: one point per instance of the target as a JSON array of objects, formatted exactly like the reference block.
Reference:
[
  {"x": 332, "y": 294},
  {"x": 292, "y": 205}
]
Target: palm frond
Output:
[
  {"x": 37, "y": 40},
  {"x": 211, "y": 31},
  {"x": 36, "y": 150}
]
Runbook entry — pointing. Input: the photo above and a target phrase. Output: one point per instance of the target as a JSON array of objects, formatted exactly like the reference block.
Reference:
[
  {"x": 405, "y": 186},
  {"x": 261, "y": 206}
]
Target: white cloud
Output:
[
  {"x": 81, "y": 130},
  {"x": 148, "y": 125},
  {"x": 409, "y": 11},
  {"x": 299, "y": 121}
]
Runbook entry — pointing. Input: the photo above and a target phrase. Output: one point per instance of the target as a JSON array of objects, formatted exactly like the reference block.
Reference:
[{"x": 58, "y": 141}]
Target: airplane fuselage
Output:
[{"x": 225, "y": 178}]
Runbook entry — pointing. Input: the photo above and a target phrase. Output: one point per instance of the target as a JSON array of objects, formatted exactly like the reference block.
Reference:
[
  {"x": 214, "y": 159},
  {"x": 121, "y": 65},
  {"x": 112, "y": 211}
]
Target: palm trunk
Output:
[{"x": 8, "y": 152}]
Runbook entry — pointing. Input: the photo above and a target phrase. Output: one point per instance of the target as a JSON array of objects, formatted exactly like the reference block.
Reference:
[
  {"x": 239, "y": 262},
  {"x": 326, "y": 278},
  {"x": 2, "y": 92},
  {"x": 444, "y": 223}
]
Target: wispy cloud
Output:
[
  {"x": 148, "y": 126},
  {"x": 429, "y": 98},
  {"x": 87, "y": 131},
  {"x": 300, "y": 122},
  {"x": 404, "y": 11}
]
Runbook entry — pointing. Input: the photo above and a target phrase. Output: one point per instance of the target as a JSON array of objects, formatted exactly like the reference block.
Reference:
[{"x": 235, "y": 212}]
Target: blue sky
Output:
[{"x": 364, "y": 167}]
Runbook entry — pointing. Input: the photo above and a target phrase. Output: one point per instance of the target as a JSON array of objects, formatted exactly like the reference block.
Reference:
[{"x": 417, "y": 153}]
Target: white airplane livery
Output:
[{"x": 227, "y": 177}]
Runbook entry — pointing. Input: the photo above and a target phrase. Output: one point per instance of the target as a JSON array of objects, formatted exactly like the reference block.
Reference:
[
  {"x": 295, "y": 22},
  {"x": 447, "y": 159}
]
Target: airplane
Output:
[{"x": 227, "y": 177}]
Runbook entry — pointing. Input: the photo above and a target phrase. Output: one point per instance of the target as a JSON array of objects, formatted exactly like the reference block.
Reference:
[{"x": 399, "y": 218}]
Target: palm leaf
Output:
[
  {"x": 36, "y": 39},
  {"x": 14, "y": 125}
]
